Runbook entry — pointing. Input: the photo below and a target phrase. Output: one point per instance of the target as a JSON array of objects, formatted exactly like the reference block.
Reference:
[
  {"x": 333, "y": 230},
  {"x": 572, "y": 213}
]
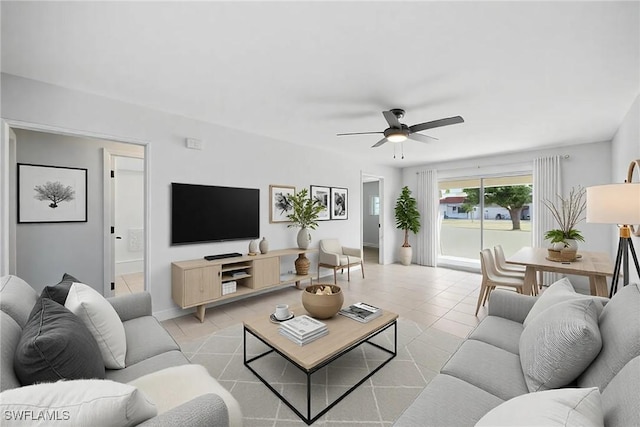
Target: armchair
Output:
[{"x": 337, "y": 257}]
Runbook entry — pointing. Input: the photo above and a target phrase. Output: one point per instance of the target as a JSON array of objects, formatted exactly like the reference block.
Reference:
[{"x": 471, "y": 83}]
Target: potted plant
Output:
[
  {"x": 407, "y": 219},
  {"x": 305, "y": 215},
  {"x": 567, "y": 213}
]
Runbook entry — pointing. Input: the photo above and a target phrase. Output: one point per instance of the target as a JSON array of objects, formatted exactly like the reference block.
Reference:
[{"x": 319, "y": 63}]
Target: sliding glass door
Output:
[{"x": 482, "y": 213}]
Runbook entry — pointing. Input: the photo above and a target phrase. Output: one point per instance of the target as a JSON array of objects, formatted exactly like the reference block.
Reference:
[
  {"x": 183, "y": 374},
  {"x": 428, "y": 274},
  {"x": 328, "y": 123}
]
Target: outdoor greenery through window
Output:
[{"x": 469, "y": 222}]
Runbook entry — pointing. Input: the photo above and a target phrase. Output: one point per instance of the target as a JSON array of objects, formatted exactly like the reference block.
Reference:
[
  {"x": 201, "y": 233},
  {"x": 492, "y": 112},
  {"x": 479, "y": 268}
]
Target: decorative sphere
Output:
[{"x": 322, "y": 306}]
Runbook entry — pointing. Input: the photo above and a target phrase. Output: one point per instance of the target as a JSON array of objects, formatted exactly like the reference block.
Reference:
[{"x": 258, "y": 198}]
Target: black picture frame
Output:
[
  {"x": 51, "y": 194},
  {"x": 339, "y": 203},
  {"x": 323, "y": 195}
]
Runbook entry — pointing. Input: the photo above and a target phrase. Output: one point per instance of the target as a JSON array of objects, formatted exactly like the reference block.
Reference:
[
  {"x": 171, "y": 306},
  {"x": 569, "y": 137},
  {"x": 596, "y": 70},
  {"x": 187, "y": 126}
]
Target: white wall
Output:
[
  {"x": 230, "y": 157},
  {"x": 129, "y": 215},
  {"x": 44, "y": 252},
  {"x": 625, "y": 148}
]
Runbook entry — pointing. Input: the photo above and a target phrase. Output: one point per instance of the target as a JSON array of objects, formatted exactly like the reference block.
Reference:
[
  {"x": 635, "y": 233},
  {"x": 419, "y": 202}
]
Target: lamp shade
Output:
[{"x": 614, "y": 204}]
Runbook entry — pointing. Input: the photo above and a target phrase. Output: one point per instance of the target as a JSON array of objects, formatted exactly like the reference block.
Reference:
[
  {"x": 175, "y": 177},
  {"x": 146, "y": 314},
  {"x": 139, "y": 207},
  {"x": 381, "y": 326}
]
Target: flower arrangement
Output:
[{"x": 568, "y": 213}]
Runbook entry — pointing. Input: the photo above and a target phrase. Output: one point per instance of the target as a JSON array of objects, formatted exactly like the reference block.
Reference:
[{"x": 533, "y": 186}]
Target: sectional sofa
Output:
[
  {"x": 560, "y": 359},
  {"x": 123, "y": 368}
]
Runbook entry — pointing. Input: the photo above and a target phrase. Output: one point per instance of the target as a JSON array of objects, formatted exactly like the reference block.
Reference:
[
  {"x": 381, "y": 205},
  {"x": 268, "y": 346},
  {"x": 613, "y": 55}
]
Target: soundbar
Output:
[{"x": 222, "y": 256}]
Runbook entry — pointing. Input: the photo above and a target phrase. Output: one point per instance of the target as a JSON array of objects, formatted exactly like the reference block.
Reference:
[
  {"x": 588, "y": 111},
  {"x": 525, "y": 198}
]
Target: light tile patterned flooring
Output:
[
  {"x": 436, "y": 309},
  {"x": 129, "y": 283}
]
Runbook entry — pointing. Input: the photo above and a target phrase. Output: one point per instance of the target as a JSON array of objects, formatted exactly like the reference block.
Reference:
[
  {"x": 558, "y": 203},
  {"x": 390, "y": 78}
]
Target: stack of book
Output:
[
  {"x": 361, "y": 312},
  {"x": 303, "y": 329}
]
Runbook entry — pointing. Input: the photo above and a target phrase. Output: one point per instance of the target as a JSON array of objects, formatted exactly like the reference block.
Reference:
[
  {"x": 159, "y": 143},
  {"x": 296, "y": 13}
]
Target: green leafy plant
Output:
[
  {"x": 407, "y": 215},
  {"x": 305, "y": 210},
  {"x": 567, "y": 213}
]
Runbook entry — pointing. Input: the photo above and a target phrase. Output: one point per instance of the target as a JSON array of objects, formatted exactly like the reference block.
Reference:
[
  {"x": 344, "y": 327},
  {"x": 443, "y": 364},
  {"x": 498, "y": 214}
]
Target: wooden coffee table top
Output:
[{"x": 343, "y": 333}]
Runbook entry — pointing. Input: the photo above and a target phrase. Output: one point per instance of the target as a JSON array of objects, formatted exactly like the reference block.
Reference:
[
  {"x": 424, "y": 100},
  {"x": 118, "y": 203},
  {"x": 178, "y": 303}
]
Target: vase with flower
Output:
[{"x": 568, "y": 212}]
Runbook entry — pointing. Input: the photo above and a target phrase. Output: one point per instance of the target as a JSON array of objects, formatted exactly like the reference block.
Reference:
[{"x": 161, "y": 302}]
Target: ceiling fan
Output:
[{"x": 399, "y": 132}]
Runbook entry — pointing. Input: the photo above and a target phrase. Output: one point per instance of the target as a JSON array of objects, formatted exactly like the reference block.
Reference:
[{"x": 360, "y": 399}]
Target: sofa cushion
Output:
[
  {"x": 102, "y": 321},
  {"x": 439, "y": 404},
  {"x": 147, "y": 366},
  {"x": 17, "y": 298},
  {"x": 11, "y": 333},
  {"x": 490, "y": 368},
  {"x": 557, "y": 345},
  {"x": 59, "y": 291},
  {"x": 499, "y": 332},
  {"x": 552, "y": 408},
  {"x": 172, "y": 387},
  {"x": 557, "y": 292},
  {"x": 620, "y": 329},
  {"x": 79, "y": 403},
  {"x": 146, "y": 338},
  {"x": 56, "y": 345},
  {"x": 620, "y": 397}
]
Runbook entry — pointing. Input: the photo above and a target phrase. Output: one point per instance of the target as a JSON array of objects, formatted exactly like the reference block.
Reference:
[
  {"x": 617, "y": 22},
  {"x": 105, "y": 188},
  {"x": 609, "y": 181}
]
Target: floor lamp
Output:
[{"x": 617, "y": 204}]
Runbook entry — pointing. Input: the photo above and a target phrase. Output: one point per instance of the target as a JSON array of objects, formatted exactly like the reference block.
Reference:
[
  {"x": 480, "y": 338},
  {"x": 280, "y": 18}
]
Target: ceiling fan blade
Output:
[
  {"x": 422, "y": 138},
  {"x": 436, "y": 124},
  {"x": 392, "y": 119},
  {"x": 357, "y": 133},
  {"x": 379, "y": 143}
]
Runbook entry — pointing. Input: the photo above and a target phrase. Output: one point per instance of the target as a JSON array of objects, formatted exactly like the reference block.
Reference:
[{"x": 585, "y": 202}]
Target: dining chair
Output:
[
  {"x": 501, "y": 263},
  {"x": 492, "y": 278}
]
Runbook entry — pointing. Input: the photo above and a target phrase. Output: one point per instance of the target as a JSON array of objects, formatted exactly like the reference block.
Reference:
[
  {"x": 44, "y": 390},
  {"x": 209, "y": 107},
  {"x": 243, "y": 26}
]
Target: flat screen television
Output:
[{"x": 206, "y": 213}]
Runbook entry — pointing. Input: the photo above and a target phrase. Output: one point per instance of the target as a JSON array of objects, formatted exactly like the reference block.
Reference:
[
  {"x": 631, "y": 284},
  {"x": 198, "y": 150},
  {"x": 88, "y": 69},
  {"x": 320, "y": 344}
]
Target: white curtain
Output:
[
  {"x": 428, "y": 198},
  {"x": 547, "y": 185}
]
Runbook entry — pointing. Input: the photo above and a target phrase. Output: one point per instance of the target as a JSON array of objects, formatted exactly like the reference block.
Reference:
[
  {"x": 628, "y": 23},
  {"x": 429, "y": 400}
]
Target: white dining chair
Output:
[
  {"x": 503, "y": 265},
  {"x": 492, "y": 278}
]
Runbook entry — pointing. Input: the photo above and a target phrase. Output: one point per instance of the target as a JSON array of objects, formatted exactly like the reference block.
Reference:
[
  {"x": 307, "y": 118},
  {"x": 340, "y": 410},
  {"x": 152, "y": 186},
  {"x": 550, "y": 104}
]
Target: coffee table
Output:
[{"x": 344, "y": 335}]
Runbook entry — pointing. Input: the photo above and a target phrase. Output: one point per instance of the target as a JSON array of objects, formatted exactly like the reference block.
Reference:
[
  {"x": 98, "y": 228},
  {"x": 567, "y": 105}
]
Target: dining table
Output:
[{"x": 595, "y": 265}]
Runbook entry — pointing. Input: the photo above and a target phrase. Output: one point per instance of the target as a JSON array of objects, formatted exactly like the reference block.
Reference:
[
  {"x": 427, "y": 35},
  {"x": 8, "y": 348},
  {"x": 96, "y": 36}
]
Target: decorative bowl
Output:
[{"x": 322, "y": 306}]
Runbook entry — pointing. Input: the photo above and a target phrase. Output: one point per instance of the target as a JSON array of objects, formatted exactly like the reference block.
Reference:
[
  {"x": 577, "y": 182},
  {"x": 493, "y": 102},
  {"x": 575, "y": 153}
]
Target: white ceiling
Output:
[{"x": 522, "y": 74}]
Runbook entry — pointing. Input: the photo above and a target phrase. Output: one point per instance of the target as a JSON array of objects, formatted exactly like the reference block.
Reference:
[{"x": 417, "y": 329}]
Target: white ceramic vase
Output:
[
  {"x": 406, "y": 253},
  {"x": 304, "y": 238},
  {"x": 253, "y": 247},
  {"x": 571, "y": 245},
  {"x": 264, "y": 245}
]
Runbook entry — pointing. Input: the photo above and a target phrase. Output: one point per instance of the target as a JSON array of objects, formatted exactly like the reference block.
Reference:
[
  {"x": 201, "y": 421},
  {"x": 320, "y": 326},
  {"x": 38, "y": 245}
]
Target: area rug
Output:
[{"x": 379, "y": 401}]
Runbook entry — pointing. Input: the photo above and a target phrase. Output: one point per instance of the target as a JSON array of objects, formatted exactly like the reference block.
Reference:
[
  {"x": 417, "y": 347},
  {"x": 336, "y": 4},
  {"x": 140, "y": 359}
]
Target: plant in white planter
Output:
[
  {"x": 305, "y": 215},
  {"x": 567, "y": 213},
  {"x": 407, "y": 219}
]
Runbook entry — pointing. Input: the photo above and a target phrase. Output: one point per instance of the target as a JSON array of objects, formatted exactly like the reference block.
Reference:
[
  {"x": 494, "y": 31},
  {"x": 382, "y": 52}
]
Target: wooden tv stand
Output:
[{"x": 198, "y": 282}]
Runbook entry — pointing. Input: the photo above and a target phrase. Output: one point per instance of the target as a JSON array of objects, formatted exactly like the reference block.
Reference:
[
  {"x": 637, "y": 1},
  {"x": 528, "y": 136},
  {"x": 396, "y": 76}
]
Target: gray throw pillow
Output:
[
  {"x": 560, "y": 343},
  {"x": 59, "y": 292},
  {"x": 56, "y": 345}
]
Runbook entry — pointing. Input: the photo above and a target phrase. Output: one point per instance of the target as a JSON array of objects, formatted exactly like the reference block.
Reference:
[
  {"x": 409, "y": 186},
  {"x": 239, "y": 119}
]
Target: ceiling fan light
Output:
[{"x": 397, "y": 137}]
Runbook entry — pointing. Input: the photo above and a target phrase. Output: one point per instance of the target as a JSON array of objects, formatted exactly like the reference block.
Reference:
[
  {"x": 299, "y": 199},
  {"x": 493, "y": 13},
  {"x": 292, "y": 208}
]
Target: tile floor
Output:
[
  {"x": 436, "y": 309},
  {"x": 431, "y": 297},
  {"x": 129, "y": 283}
]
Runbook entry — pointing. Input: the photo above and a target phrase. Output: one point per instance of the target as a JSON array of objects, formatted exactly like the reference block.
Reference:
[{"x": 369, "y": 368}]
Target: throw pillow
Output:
[
  {"x": 551, "y": 408},
  {"x": 59, "y": 292},
  {"x": 103, "y": 322},
  {"x": 78, "y": 403},
  {"x": 560, "y": 343},
  {"x": 557, "y": 292},
  {"x": 56, "y": 345}
]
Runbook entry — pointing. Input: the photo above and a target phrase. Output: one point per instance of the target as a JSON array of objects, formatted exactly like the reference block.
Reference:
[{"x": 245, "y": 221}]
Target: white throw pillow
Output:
[
  {"x": 171, "y": 387},
  {"x": 102, "y": 321},
  {"x": 559, "y": 291},
  {"x": 560, "y": 344},
  {"x": 550, "y": 408},
  {"x": 76, "y": 403}
]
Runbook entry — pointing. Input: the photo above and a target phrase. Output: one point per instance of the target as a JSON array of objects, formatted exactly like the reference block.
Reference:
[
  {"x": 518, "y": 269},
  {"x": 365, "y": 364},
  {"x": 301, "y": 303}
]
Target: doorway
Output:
[
  {"x": 125, "y": 232},
  {"x": 372, "y": 235},
  {"x": 80, "y": 250}
]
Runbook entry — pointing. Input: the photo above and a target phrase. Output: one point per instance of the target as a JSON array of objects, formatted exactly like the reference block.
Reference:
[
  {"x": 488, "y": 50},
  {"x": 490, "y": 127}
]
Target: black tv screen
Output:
[{"x": 206, "y": 213}]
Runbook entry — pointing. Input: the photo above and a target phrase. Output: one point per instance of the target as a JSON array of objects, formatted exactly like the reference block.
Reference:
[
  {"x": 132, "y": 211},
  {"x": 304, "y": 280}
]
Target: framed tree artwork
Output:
[
  {"x": 322, "y": 195},
  {"x": 51, "y": 194},
  {"x": 339, "y": 203},
  {"x": 279, "y": 204}
]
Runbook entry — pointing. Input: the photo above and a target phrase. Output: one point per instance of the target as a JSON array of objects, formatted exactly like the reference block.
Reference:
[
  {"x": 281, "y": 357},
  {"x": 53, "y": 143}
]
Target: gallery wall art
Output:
[{"x": 51, "y": 194}]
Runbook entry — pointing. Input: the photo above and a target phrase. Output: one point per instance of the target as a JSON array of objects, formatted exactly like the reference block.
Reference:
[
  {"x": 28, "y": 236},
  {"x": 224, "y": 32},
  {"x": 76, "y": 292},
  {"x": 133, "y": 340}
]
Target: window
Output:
[
  {"x": 502, "y": 216},
  {"x": 375, "y": 205}
]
